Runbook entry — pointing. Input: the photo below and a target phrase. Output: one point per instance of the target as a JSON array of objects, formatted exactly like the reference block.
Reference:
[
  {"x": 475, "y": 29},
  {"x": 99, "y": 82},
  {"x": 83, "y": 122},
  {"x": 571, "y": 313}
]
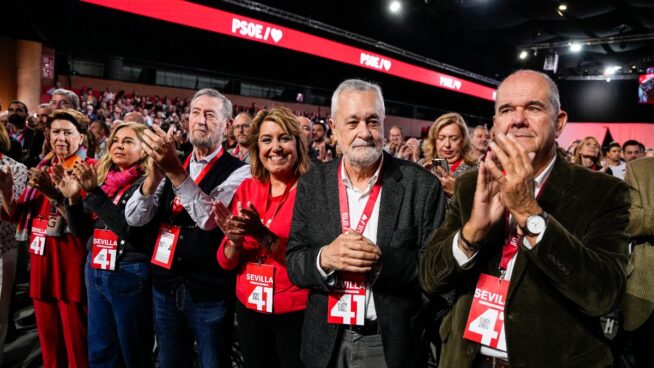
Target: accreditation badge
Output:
[
  {"x": 346, "y": 303},
  {"x": 104, "y": 250},
  {"x": 164, "y": 248},
  {"x": 486, "y": 319},
  {"x": 259, "y": 286},
  {"x": 37, "y": 237}
]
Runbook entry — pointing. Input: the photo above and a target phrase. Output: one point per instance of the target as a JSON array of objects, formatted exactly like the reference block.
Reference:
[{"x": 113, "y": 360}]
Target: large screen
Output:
[
  {"x": 198, "y": 16},
  {"x": 646, "y": 88}
]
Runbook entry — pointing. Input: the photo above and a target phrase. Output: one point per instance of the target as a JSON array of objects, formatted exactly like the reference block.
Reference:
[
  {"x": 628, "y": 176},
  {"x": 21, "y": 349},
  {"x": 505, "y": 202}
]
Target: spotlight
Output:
[
  {"x": 523, "y": 55},
  {"x": 610, "y": 70},
  {"x": 563, "y": 7},
  {"x": 395, "y": 6},
  {"x": 575, "y": 46}
]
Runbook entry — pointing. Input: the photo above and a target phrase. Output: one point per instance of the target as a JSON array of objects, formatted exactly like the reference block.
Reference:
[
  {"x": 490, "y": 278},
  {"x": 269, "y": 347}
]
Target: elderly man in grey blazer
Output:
[{"x": 359, "y": 227}]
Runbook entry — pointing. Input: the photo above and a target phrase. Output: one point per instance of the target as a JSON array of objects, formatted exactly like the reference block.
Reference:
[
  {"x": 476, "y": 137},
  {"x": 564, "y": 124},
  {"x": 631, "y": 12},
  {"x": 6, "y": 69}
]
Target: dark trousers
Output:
[
  {"x": 358, "y": 351},
  {"x": 643, "y": 338},
  {"x": 269, "y": 340}
]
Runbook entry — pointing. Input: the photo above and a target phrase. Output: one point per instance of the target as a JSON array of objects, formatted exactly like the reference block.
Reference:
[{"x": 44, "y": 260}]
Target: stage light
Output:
[
  {"x": 523, "y": 55},
  {"x": 610, "y": 70},
  {"x": 395, "y": 6},
  {"x": 563, "y": 7},
  {"x": 575, "y": 46}
]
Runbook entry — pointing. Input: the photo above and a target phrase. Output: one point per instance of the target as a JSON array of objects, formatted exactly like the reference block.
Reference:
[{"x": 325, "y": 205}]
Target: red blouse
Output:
[{"x": 286, "y": 296}]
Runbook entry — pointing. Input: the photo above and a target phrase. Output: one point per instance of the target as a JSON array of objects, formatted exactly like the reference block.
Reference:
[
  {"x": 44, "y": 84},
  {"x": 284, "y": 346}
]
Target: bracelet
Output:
[{"x": 473, "y": 247}]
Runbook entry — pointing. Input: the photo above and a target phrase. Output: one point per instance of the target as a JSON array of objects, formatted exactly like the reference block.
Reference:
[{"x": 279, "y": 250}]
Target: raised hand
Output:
[
  {"x": 86, "y": 175},
  {"x": 6, "y": 181},
  {"x": 223, "y": 217},
  {"x": 39, "y": 179},
  {"x": 66, "y": 183},
  {"x": 516, "y": 182}
]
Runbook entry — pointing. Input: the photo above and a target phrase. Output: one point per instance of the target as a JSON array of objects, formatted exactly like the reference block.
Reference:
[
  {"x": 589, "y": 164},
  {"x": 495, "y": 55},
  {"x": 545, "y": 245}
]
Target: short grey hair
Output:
[
  {"x": 226, "y": 103},
  {"x": 360, "y": 86},
  {"x": 71, "y": 97},
  {"x": 554, "y": 97}
]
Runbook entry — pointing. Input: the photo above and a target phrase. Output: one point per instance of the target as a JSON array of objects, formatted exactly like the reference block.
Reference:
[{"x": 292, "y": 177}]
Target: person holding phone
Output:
[
  {"x": 448, "y": 152},
  {"x": 270, "y": 316}
]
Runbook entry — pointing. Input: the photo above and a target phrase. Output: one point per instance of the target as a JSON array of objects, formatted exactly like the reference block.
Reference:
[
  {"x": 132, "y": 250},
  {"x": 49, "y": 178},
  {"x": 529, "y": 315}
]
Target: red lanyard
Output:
[
  {"x": 177, "y": 205},
  {"x": 120, "y": 193},
  {"x": 345, "y": 209},
  {"x": 268, "y": 220},
  {"x": 513, "y": 240}
]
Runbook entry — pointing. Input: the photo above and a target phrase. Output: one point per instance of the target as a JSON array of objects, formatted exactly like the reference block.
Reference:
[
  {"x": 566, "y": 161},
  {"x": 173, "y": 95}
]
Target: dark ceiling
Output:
[{"x": 481, "y": 36}]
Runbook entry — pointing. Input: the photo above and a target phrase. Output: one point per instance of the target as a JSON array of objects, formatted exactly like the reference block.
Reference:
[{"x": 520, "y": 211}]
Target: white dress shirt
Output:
[
  {"x": 357, "y": 201},
  {"x": 140, "y": 209},
  {"x": 462, "y": 259}
]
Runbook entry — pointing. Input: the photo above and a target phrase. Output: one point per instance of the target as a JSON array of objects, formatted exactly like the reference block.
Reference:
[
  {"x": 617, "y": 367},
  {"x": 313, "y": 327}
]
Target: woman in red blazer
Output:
[{"x": 270, "y": 309}]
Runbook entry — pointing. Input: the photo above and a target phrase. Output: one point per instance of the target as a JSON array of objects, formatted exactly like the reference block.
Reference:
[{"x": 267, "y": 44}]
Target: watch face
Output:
[{"x": 536, "y": 224}]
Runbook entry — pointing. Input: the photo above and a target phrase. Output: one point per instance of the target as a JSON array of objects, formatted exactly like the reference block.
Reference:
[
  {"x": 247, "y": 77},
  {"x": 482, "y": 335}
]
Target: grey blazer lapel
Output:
[{"x": 391, "y": 200}]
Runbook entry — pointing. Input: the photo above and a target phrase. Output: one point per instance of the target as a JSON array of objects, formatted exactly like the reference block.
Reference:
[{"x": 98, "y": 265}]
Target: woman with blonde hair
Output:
[
  {"x": 256, "y": 232},
  {"x": 117, "y": 267},
  {"x": 588, "y": 153},
  {"x": 448, "y": 139}
]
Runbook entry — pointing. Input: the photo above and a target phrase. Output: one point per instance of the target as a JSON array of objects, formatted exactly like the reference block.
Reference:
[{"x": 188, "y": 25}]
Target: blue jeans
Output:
[
  {"x": 178, "y": 321},
  {"x": 120, "y": 315}
]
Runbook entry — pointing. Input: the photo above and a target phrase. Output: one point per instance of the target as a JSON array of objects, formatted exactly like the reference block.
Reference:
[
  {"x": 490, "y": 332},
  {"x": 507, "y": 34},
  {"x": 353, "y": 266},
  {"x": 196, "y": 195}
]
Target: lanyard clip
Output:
[{"x": 502, "y": 274}]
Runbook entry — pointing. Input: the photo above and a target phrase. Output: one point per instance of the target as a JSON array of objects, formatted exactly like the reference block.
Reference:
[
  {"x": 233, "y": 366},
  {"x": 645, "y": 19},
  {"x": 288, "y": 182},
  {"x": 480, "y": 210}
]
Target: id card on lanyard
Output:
[
  {"x": 346, "y": 303},
  {"x": 37, "y": 237},
  {"x": 177, "y": 204},
  {"x": 260, "y": 278},
  {"x": 104, "y": 250},
  {"x": 165, "y": 245}
]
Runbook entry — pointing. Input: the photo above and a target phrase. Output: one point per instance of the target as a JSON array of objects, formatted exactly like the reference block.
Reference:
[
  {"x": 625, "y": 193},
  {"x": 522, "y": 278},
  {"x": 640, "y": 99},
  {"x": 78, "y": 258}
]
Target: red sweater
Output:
[{"x": 286, "y": 296}]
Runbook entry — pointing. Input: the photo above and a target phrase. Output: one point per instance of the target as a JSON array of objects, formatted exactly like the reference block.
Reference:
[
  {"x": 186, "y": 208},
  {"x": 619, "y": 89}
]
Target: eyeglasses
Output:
[{"x": 59, "y": 104}]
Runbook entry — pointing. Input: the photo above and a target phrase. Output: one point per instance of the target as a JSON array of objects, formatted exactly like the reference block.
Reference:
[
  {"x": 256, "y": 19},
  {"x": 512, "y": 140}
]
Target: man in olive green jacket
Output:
[
  {"x": 556, "y": 231},
  {"x": 638, "y": 303}
]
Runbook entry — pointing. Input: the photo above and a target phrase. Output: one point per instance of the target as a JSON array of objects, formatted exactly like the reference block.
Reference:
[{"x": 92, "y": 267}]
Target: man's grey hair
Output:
[
  {"x": 554, "y": 97},
  {"x": 360, "y": 86},
  {"x": 226, "y": 103},
  {"x": 44, "y": 106},
  {"x": 71, "y": 97}
]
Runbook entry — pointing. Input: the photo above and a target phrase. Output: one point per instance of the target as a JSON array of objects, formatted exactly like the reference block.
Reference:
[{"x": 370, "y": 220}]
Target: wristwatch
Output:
[{"x": 535, "y": 224}]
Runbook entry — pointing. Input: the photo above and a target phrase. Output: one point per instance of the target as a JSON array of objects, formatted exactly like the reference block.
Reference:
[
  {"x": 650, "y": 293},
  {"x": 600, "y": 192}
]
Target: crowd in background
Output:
[{"x": 92, "y": 122}]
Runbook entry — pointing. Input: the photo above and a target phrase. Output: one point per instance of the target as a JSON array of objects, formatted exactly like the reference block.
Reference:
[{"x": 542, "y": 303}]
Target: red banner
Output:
[{"x": 230, "y": 24}]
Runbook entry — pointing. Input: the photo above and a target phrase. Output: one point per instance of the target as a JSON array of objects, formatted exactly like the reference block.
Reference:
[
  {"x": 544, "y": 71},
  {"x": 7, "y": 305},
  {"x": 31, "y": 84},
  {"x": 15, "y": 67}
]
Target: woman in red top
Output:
[
  {"x": 56, "y": 256},
  {"x": 270, "y": 309},
  {"x": 448, "y": 139}
]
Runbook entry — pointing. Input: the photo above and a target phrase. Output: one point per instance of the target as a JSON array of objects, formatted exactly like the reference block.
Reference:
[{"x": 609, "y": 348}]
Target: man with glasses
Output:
[
  {"x": 242, "y": 132},
  {"x": 64, "y": 99}
]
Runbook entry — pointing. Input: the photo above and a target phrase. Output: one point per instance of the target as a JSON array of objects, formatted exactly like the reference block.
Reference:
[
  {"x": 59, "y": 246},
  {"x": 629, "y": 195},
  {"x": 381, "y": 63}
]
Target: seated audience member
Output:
[
  {"x": 614, "y": 160},
  {"x": 638, "y": 303},
  {"x": 117, "y": 266},
  {"x": 242, "y": 128},
  {"x": 589, "y": 155},
  {"x": 632, "y": 149},
  {"x": 269, "y": 324},
  {"x": 448, "y": 140}
]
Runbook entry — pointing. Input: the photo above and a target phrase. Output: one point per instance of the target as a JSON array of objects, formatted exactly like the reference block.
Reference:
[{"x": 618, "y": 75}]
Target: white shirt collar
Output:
[
  {"x": 373, "y": 179},
  {"x": 545, "y": 174},
  {"x": 208, "y": 158}
]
